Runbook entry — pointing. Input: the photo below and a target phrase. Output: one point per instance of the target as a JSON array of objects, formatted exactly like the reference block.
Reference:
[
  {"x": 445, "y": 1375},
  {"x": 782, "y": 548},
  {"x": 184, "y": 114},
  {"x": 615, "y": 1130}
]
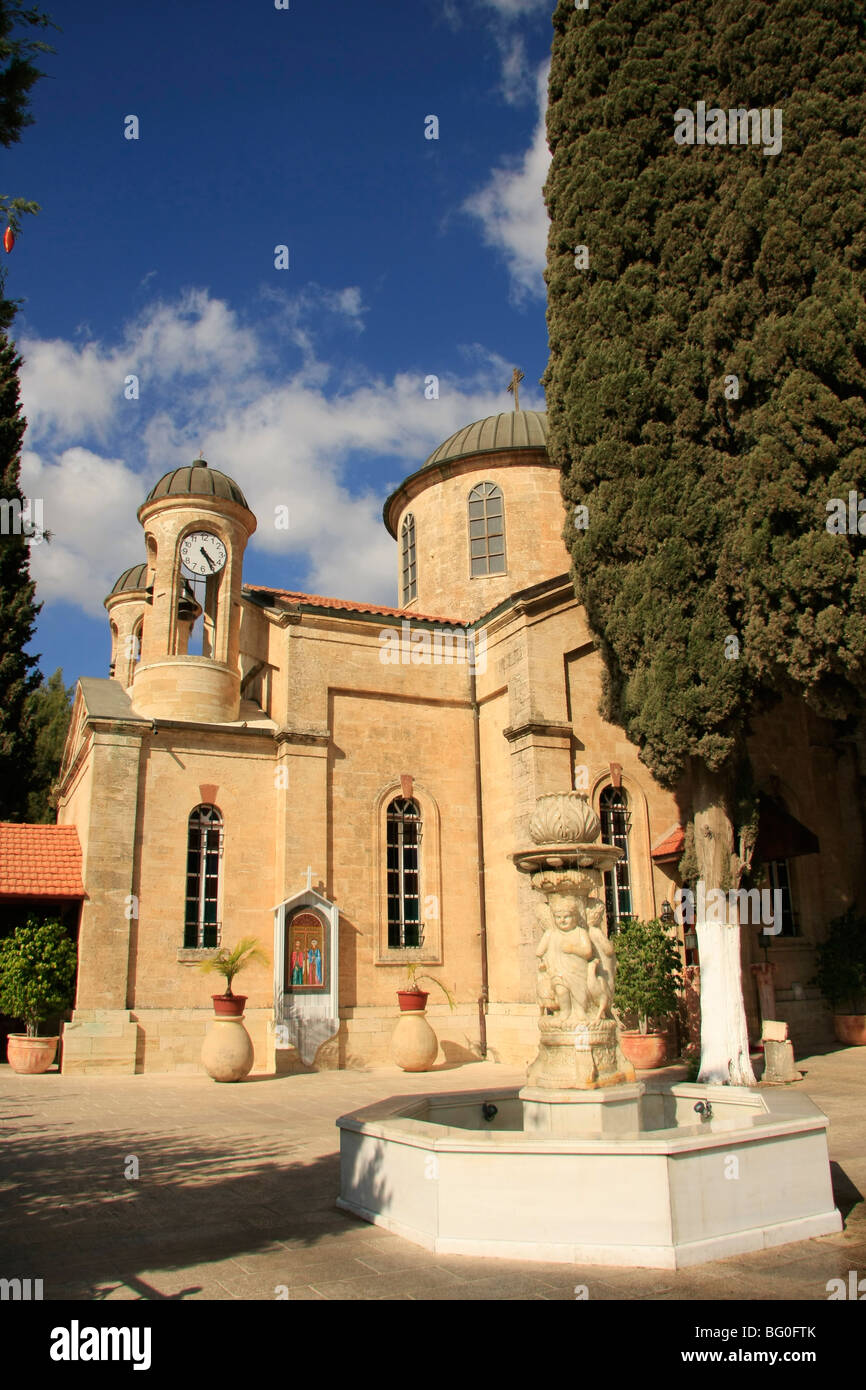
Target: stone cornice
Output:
[
  {"x": 538, "y": 728},
  {"x": 318, "y": 738}
]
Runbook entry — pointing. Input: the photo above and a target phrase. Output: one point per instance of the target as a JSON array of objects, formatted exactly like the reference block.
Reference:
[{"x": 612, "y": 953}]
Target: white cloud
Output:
[
  {"x": 513, "y": 9},
  {"x": 518, "y": 83},
  {"x": 299, "y": 437},
  {"x": 89, "y": 506},
  {"x": 511, "y": 208}
]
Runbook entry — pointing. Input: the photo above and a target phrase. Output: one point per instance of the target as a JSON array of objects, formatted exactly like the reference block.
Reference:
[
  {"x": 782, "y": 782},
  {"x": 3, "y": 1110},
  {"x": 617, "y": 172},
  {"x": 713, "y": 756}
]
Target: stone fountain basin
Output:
[{"x": 677, "y": 1191}]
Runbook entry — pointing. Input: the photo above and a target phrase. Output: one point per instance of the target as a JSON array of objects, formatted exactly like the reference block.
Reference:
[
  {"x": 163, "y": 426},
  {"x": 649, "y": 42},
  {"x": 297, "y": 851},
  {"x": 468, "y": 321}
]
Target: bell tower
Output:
[{"x": 196, "y": 522}]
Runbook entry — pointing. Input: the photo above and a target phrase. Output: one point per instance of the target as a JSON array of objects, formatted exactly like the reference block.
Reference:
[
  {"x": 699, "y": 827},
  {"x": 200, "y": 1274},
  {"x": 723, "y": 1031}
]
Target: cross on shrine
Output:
[
  {"x": 516, "y": 378},
  {"x": 309, "y": 878}
]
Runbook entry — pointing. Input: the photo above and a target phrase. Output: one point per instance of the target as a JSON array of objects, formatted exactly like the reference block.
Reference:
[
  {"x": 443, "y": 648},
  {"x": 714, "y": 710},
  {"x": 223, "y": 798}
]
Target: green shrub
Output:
[
  {"x": 37, "y": 970},
  {"x": 647, "y": 972},
  {"x": 841, "y": 973}
]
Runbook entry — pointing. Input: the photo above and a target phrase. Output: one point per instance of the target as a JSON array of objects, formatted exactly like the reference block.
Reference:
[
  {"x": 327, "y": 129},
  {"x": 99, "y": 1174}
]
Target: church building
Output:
[{"x": 346, "y": 782}]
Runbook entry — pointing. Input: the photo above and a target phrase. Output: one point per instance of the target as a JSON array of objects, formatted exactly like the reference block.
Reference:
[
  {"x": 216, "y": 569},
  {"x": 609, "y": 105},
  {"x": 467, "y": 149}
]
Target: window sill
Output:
[
  {"x": 409, "y": 955},
  {"x": 187, "y": 955}
]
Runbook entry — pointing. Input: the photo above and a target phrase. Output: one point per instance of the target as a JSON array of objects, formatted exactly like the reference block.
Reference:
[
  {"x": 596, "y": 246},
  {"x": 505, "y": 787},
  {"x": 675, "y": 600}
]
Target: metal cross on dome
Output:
[{"x": 516, "y": 378}]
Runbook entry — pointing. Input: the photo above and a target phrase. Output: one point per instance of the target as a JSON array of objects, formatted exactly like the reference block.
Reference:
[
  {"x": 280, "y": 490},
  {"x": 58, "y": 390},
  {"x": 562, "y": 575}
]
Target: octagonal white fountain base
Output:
[{"x": 678, "y": 1190}]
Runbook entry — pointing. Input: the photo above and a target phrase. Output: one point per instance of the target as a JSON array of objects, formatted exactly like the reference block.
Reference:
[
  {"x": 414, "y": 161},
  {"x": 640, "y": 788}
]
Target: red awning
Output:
[
  {"x": 672, "y": 846},
  {"x": 781, "y": 835}
]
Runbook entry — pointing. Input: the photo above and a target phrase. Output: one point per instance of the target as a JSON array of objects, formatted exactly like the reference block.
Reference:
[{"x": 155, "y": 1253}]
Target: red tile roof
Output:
[
  {"x": 672, "y": 845},
  {"x": 345, "y": 605},
  {"x": 40, "y": 861}
]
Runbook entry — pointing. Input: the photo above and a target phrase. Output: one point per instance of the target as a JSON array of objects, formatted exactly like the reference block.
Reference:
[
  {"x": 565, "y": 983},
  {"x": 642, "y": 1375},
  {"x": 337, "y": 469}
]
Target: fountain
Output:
[{"x": 586, "y": 1164}]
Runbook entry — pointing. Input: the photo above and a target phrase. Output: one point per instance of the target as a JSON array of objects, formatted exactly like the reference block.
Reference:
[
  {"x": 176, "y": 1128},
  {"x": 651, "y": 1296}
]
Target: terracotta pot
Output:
[
  {"x": 412, "y": 1001},
  {"x": 849, "y": 1028},
  {"x": 414, "y": 1045},
  {"x": 645, "y": 1050},
  {"x": 30, "y": 1056},
  {"x": 229, "y": 1005},
  {"x": 227, "y": 1053}
]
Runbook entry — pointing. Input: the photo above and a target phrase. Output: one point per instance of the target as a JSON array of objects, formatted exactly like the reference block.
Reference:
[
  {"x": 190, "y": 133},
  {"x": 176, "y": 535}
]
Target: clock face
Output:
[{"x": 203, "y": 553}]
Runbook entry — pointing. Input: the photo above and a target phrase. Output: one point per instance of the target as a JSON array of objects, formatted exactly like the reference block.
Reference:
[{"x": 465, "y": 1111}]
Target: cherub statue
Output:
[{"x": 575, "y": 959}]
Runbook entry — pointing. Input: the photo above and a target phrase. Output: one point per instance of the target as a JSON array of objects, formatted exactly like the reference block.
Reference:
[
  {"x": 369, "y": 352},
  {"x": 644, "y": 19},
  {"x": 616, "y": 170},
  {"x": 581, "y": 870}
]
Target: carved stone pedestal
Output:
[
  {"x": 572, "y": 1114},
  {"x": 586, "y": 1057}
]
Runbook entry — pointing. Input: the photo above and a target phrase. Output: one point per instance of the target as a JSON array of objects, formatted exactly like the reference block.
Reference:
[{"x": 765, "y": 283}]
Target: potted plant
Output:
[
  {"x": 414, "y": 1000},
  {"x": 227, "y": 1052},
  {"x": 37, "y": 970},
  {"x": 229, "y": 964},
  {"x": 646, "y": 985},
  {"x": 841, "y": 976},
  {"x": 414, "y": 1045}
]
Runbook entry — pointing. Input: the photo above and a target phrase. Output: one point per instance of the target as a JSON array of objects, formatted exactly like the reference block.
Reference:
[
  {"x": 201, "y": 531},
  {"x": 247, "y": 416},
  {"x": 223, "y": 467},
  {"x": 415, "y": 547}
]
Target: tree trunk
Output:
[{"x": 724, "y": 1031}]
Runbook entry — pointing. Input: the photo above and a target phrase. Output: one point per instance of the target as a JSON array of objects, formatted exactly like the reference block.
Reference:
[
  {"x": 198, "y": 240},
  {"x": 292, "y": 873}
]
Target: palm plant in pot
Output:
[
  {"x": 412, "y": 999},
  {"x": 841, "y": 976},
  {"x": 229, "y": 964},
  {"x": 646, "y": 985},
  {"x": 37, "y": 970},
  {"x": 414, "y": 1045}
]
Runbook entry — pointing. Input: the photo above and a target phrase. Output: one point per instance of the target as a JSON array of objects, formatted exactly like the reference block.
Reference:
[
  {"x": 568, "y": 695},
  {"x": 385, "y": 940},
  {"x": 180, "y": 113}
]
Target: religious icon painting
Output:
[{"x": 306, "y": 954}]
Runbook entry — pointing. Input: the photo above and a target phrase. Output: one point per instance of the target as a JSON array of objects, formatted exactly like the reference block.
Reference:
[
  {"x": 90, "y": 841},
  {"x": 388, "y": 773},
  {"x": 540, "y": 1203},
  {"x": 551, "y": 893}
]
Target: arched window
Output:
[
  {"x": 409, "y": 568},
  {"x": 486, "y": 530},
  {"x": 615, "y": 823},
  {"x": 204, "y": 852},
  {"x": 404, "y": 874}
]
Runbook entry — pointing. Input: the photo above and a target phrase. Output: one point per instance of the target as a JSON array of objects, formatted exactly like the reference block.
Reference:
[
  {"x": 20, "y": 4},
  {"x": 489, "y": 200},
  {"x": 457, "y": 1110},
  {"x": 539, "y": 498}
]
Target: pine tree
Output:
[
  {"x": 48, "y": 713},
  {"x": 706, "y": 394}
]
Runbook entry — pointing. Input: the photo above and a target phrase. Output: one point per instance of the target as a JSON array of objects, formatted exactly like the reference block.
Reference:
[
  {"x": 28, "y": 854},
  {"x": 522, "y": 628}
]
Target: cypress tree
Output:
[
  {"x": 706, "y": 393},
  {"x": 18, "y": 610}
]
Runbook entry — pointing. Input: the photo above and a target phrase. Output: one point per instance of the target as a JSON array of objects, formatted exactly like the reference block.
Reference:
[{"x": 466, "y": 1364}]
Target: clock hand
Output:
[{"x": 205, "y": 556}]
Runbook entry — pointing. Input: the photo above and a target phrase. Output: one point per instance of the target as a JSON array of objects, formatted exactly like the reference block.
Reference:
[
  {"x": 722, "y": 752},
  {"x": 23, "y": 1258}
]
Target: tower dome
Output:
[
  {"x": 508, "y": 432},
  {"x": 512, "y": 429},
  {"x": 197, "y": 480},
  {"x": 132, "y": 581},
  {"x": 197, "y": 520},
  {"x": 481, "y": 519}
]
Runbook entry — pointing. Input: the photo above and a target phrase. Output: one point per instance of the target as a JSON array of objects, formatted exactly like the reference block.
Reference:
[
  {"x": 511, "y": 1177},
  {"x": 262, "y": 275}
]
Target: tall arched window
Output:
[
  {"x": 615, "y": 823},
  {"x": 486, "y": 530},
  {"x": 204, "y": 852},
  {"x": 409, "y": 568},
  {"x": 404, "y": 874}
]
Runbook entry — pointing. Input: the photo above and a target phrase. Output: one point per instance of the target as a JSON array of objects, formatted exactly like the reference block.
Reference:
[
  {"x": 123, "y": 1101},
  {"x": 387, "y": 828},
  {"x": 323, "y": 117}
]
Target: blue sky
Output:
[{"x": 261, "y": 127}]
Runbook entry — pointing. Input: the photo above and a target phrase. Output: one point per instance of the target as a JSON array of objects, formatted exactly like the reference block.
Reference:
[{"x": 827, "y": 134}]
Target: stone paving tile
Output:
[
  {"x": 430, "y": 1283},
  {"x": 495, "y": 1287}
]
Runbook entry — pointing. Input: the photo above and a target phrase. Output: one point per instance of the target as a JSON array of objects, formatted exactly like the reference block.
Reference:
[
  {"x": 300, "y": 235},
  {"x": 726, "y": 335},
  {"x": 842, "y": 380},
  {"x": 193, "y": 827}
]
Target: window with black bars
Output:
[
  {"x": 204, "y": 852},
  {"x": 779, "y": 877},
  {"x": 486, "y": 530},
  {"x": 615, "y": 825},
  {"x": 410, "y": 570},
  {"x": 404, "y": 874}
]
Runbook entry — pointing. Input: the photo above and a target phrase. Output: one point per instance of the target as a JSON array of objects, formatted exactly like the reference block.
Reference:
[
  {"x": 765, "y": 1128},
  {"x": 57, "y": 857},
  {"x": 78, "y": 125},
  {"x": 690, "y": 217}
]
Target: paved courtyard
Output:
[{"x": 236, "y": 1187}]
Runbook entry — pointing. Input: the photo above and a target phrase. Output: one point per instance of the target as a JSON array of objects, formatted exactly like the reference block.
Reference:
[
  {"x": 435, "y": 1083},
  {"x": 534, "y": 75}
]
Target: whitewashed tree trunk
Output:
[{"x": 724, "y": 1030}]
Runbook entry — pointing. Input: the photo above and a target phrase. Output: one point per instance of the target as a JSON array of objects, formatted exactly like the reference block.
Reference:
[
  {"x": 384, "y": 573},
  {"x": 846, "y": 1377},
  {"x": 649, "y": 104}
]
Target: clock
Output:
[{"x": 203, "y": 553}]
